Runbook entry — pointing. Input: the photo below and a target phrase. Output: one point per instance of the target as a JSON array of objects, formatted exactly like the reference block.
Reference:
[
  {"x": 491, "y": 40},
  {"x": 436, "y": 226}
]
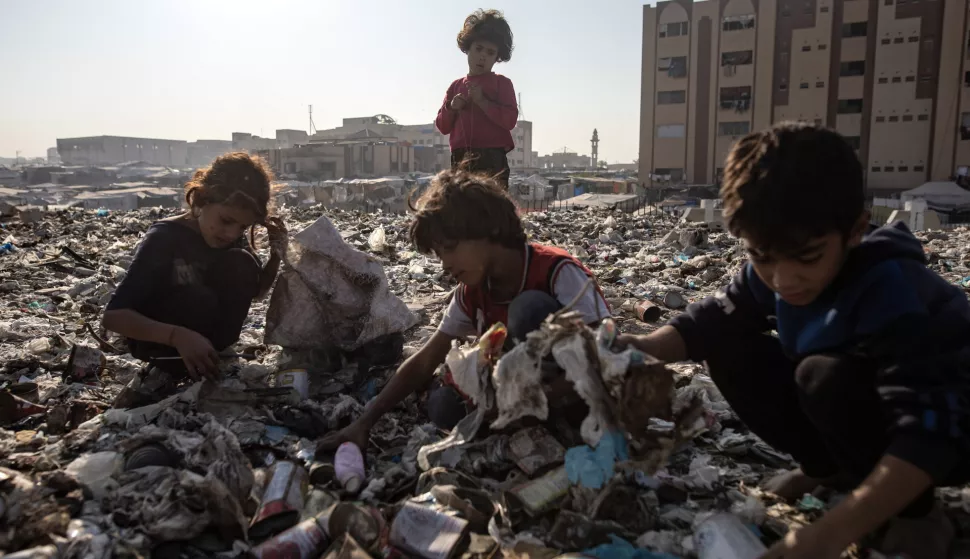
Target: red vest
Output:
[{"x": 542, "y": 267}]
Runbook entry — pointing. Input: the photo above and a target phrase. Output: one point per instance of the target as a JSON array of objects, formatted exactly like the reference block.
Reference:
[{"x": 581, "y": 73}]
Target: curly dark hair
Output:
[
  {"x": 790, "y": 183},
  {"x": 463, "y": 206},
  {"x": 236, "y": 179},
  {"x": 487, "y": 25}
]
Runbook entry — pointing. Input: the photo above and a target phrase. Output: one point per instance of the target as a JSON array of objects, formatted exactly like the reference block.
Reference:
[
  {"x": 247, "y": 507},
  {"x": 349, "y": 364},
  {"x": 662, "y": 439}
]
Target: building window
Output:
[
  {"x": 907, "y": 118},
  {"x": 889, "y": 169},
  {"x": 737, "y": 23},
  {"x": 857, "y": 29},
  {"x": 785, "y": 11},
  {"x": 897, "y": 79},
  {"x": 670, "y": 131},
  {"x": 806, "y": 48},
  {"x": 676, "y": 67},
  {"x": 965, "y": 126},
  {"x": 671, "y": 97},
  {"x": 903, "y": 169},
  {"x": 783, "y": 86},
  {"x": 673, "y": 29},
  {"x": 889, "y": 2},
  {"x": 925, "y": 78},
  {"x": 823, "y": 47},
  {"x": 876, "y": 169},
  {"x": 886, "y": 41},
  {"x": 818, "y": 122},
  {"x": 850, "y": 106},
  {"x": 819, "y": 84},
  {"x": 824, "y": 9},
  {"x": 737, "y": 58},
  {"x": 672, "y": 174},
  {"x": 966, "y": 79},
  {"x": 808, "y": 9},
  {"x": 894, "y": 119},
  {"x": 733, "y": 128},
  {"x": 854, "y": 141},
  {"x": 735, "y": 98},
  {"x": 803, "y": 85},
  {"x": 883, "y": 80},
  {"x": 898, "y": 41},
  {"x": 914, "y": 39},
  {"x": 918, "y": 168},
  {"x": 853, "y": 68},
  {"x": 880, "y": 119},
  {"x": 922, "y": 118}
]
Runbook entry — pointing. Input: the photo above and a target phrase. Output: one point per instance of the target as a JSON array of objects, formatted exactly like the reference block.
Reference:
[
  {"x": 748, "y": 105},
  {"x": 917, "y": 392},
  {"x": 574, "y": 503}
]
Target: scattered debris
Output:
[{"x": 642, "y": 465}]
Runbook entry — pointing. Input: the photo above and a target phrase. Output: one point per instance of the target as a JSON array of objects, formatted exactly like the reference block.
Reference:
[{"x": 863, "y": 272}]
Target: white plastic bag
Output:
[{"x": 331, "y": 295}]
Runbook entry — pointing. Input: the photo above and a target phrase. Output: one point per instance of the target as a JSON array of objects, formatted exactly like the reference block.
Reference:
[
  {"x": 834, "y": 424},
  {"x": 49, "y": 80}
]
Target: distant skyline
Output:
[{"x": 203, "y": 69}]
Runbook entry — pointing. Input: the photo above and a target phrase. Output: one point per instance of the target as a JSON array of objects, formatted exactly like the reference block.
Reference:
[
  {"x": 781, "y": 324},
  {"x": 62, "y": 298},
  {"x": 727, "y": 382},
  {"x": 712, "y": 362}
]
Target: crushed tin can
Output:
[
  {"x": 85, "y": 364},
  {"x": 306, "y": 540},
  {"x": 282, "y": 500},
  {"x": 425, "y": 532}
]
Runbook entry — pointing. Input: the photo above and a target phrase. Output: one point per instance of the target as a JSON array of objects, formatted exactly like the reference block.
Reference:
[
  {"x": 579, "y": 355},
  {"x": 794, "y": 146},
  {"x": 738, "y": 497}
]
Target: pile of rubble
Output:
[{"x": 223, "y": 469}]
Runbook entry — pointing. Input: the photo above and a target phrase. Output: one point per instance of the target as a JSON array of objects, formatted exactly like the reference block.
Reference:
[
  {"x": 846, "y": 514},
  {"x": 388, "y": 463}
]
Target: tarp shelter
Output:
[{"x": 939, "y": 195}]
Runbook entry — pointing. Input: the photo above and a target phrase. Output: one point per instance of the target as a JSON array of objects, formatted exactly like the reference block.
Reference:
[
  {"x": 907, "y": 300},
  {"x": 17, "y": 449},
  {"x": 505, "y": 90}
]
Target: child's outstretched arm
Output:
[{"x": 414, "y": 373}]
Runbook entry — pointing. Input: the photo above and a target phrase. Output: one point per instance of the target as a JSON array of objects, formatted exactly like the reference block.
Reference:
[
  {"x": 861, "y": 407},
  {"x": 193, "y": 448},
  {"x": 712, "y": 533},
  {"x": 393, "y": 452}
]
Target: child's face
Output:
[
  {"x": 465, "y": 261},
  {"x": 222, "y": 224},
  {"x": 481, "y": 57},
  {"x": 800, "y": 276}
]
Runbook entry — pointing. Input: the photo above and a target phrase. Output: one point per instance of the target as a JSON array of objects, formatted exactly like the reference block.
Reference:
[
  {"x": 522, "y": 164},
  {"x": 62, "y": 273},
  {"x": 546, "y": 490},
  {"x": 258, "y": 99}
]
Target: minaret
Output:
[{"x": 595, "y": 143}]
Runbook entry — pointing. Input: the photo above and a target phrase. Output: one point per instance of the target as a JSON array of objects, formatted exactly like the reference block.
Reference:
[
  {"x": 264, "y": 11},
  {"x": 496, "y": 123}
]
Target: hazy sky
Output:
[{"x": 202, "y": 69}]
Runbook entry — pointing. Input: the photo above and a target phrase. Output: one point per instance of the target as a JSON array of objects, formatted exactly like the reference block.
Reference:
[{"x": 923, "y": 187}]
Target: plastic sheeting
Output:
[{"x": 331, "y": 295}]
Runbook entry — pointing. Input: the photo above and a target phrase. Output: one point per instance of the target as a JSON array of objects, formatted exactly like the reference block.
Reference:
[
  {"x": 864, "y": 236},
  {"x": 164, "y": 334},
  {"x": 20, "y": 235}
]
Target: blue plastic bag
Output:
[{"x": 594, "y": 467}]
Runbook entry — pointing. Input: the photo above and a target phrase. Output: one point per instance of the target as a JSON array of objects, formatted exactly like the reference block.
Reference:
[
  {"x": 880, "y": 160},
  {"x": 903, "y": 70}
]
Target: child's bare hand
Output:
[
  {"x": 458, "y": 102},
  {"x": 200, "y": 358},
  {"x": 475, "y": 92},
  {"x": 276, "y": 230}
]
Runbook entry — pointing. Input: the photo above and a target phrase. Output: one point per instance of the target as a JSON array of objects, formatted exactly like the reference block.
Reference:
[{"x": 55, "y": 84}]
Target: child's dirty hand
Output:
[
  {"x": 200, "y": 358},
  {"x": 458, "y": 102},
  {"x": 277, "y": 232}
]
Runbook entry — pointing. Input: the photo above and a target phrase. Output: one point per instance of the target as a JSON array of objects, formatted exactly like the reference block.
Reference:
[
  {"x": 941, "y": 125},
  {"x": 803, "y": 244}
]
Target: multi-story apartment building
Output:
[{"x": 892, "y": 76}]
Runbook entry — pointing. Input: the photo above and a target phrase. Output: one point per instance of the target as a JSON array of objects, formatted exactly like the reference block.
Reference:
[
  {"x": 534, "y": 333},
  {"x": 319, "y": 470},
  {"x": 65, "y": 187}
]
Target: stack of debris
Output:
[{"x": 632, "y": 462}]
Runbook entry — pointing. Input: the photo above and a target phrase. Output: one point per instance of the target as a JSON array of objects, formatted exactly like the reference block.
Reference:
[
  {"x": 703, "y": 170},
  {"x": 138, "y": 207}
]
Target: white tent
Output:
[{"x": 942, "y": 194}]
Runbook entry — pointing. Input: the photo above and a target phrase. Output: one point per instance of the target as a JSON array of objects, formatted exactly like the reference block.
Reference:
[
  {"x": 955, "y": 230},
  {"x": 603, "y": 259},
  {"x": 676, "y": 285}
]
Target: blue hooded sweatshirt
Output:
[{"x": 884, "y": 305}]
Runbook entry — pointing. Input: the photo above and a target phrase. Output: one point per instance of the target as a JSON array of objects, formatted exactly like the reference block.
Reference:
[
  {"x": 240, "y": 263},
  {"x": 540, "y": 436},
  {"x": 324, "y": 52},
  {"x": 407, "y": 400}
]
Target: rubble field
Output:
[{"x": 191, "y": 475}]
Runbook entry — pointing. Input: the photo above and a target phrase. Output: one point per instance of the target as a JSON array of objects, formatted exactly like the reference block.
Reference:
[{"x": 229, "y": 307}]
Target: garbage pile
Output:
[{"x": 635, "y": 459}]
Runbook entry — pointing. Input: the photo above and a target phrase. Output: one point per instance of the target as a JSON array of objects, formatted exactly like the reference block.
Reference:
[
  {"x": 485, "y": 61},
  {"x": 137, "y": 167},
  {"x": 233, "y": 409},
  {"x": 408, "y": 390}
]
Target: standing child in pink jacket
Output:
[{"x": 480, "y": 110}]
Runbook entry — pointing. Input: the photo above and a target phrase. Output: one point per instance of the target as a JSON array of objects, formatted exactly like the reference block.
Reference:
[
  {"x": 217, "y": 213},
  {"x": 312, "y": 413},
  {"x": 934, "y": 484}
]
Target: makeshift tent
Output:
[{"x": 943, "y": 195}]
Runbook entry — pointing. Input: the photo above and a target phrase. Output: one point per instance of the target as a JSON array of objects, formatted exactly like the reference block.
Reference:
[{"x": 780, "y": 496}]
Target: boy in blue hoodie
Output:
[{"x": 866, "y": 382}]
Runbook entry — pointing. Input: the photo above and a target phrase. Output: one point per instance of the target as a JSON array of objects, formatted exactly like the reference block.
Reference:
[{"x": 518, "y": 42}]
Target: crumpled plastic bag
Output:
[
  {"x": 618, "y": 548},
  {"x": 214, "y": 450},
  {"x": 593, "y": 468},
  {"x": 176, "y": 505},
  {"x": 331, "y": 295}
]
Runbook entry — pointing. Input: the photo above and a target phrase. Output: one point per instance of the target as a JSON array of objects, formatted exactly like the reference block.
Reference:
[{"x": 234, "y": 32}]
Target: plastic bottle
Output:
[{"x": 348, "y": 466}]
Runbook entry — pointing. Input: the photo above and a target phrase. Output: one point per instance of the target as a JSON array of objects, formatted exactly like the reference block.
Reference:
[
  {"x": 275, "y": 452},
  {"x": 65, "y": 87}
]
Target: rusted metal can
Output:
[
  {"x": 13, "y": 408},
  {"x": 27, "y": 390},
  {"x": 647, "y": 311},
  {"x": 84, "y": 364},
  {"x": 306, "y": 540},
  {"x": 282, "y": 500}
]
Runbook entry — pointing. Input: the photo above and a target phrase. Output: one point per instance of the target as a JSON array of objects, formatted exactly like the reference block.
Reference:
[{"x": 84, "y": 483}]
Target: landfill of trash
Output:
[{"x": 641, "y": 460}]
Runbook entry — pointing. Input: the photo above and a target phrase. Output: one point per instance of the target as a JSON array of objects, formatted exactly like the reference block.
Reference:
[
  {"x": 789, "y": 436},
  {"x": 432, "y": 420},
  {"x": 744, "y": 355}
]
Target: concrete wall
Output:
[{"x": 111, "y": 150}]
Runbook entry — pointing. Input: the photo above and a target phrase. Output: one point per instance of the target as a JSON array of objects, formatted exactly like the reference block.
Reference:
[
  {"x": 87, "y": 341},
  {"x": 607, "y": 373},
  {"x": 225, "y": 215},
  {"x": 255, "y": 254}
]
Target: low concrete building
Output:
[
  {"x": 126, "y": 199},
  {"x": 111, "y": 150},
  {"x": 202, "y": 152}
]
